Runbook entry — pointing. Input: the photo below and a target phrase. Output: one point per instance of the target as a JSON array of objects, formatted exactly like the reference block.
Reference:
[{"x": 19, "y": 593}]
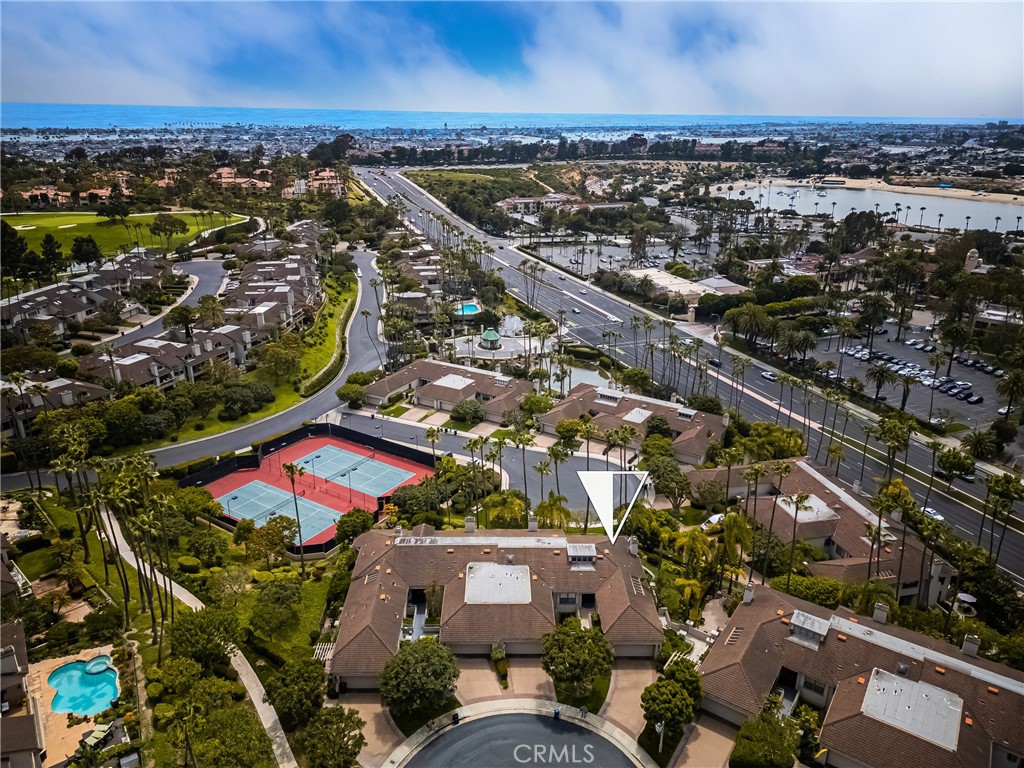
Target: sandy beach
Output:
[{"x": 878, "y": 184}]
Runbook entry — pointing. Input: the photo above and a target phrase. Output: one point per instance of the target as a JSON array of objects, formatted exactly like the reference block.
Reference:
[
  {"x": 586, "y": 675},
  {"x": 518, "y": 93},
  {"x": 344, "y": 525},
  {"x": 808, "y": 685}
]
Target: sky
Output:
[{"x": 885, "y": 59}]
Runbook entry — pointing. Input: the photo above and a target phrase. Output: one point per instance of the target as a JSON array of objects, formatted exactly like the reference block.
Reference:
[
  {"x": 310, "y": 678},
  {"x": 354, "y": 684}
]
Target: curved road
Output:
[{"x": 512, "y": 741}]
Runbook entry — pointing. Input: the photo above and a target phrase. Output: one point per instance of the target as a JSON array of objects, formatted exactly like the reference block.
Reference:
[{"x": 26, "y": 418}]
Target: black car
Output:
[
  {"x": 975, "y": 399},
  {"x": 970, "y": 363},
  {"x": 715, "y": 363},
  {"x": 989, "y": 369},
  {"x": 881, "y": 331},
  {"x": 946, "y": 387},
  {"x": 965, "y": 395}
]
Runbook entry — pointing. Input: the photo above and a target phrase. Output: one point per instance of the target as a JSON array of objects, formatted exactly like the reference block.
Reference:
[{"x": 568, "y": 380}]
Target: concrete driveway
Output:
[
  {"x": 622, "y": 706},
  {"x": 382, "y": 735},
  {"x": 709, "y": 746},
  {"x": 526, "y": 679},
  {"x": 477, "y": 681}
]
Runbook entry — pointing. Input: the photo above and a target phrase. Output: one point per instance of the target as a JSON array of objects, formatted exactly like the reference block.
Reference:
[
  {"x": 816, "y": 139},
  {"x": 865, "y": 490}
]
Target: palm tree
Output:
[
  {"x": 879, "y": 375},
  {"x": 522, "y": 440},
  {"x": 782, "y": 470},
  {"x": 210, "y": 311},
  {"x": 730, "y": 457},
  {"x": 908, "y": 381},
  {"x": 558, "y": 454},
  {"x": 736, "y": 533},
  {"x": 835, "y": 453},
  {"x": 753, "y": 474},
  {"x": 981, "y": 444},
  {"x": 894, "y": 434},
  {"x": 294, "y": 471},
  {"x": 1011, "y": 387},
  {"x": 542, "y": 468},
  {"x": 799, "y": 505}
]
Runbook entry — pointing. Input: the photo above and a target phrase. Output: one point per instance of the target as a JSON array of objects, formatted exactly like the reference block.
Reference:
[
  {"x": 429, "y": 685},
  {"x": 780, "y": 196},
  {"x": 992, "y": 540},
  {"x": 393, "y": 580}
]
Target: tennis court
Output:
[
  {"x": 364, "y": 474},
  {"x": 258, "y": 502}
]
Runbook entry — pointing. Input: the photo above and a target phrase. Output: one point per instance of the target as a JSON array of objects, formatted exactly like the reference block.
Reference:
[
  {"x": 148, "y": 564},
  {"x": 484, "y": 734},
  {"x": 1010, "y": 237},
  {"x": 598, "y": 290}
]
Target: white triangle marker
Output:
[{"x": 599, "y": 485}]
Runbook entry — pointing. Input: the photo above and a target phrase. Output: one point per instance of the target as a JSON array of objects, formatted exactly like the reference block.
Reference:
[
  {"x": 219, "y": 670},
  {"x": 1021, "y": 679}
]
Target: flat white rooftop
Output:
[
  {"x": 920, "y": 709},
  {"x": 637, "y": 416},
  {"x": 816, "y": 509},
  {"x": 497, "y": 584},
  {"x": 453, "y": 381}
]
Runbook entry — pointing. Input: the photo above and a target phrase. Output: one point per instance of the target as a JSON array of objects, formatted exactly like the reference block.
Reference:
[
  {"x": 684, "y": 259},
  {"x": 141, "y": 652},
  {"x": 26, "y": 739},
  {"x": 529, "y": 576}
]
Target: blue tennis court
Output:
[
  {"x": 364, "y": 474},
  {"x": 258, "y": 502}
]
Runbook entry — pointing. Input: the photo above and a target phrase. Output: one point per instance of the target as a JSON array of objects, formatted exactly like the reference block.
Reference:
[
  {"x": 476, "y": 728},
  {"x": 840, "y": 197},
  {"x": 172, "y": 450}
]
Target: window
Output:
[
  {"x": 813, "y": 685},
  {"x": 565, "y": 598}
]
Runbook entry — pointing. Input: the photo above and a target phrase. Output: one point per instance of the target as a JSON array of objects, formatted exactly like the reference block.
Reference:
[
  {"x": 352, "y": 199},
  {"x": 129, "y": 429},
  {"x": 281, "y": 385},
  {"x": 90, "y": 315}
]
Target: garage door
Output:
[
  {"x": 471, "y": 649},
  {"x": 627, "y": 650},
  {"x": 361, "y": 682},
  {"x": 523, "y": 648}
]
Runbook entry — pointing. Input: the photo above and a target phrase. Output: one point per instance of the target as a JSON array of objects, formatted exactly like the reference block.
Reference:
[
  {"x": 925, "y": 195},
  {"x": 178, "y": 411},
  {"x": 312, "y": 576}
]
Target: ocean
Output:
[{"x": 14, "y": 115}]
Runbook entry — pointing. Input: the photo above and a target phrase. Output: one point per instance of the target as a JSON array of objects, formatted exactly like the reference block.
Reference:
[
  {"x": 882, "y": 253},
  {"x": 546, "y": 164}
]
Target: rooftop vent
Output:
[
  {"x": 902, "y": 668},
  {"x": 734, "y": 636},
  {"x": 971, "y": 645}
]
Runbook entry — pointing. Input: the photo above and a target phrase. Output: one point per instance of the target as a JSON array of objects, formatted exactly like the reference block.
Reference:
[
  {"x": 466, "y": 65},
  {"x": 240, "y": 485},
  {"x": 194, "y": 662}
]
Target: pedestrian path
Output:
[{"x": 246, "y": 674}]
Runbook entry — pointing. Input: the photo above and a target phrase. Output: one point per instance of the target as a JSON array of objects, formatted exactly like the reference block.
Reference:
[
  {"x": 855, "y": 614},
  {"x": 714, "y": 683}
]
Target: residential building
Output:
[
  {"x": 21, "y": 744},
  {"x": 530, "y": 205},
  {"x": 14, "y": 585},
  {"x": 501, "y": 589},
  {"x": 891, "y": 697},
  {"x": 440, "y": 385},
  {"x": 837, "y": 523},
  {"x": 692, "y": 431},
  {"x": 17, "y": 412}
]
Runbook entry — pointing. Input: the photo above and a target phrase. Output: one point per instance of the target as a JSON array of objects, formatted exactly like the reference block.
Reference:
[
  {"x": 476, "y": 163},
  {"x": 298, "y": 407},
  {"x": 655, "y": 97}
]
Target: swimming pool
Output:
[
  {"x": 468, "y": 308},
  {"x": 84, "y": 687}
]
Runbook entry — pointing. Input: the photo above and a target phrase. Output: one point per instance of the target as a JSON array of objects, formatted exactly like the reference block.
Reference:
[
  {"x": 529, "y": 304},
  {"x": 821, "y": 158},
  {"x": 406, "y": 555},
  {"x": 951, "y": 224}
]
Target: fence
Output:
[{"x": 267, "y": 448}]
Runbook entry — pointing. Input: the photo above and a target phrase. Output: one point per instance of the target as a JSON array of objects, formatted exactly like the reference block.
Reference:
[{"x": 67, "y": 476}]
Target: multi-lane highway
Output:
[{"x": 598, "y": 312}]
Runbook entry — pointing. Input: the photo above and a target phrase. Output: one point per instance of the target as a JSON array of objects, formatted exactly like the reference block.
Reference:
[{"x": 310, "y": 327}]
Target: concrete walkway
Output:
[
  {"x": 246, "y": 674},
  {"x": 709, "y": 745},
  {"x": 382, "y": 735}
]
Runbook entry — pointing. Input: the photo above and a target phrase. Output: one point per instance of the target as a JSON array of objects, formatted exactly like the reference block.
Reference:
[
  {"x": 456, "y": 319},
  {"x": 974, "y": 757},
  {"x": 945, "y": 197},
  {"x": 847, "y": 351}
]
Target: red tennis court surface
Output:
[{"x": 336, "y": 494}]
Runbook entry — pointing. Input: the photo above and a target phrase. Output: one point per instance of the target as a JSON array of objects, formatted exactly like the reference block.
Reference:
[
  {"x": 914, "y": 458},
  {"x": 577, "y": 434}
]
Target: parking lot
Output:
[
  {"x": 966, "y": 395},
  {"x": 616, "y": 256}
]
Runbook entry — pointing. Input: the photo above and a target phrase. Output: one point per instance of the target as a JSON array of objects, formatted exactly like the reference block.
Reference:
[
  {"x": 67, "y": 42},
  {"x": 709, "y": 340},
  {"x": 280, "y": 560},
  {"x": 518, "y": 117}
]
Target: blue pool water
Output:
[
  {"x": 84, "y": 687},
  {"x": 467, "y": 309}
]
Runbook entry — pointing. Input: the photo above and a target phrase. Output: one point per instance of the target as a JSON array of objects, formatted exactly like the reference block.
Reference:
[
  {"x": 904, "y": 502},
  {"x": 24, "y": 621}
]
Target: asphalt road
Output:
[
  {"x": 512, "y": 741},
  {"x": 599, "y": 312}
]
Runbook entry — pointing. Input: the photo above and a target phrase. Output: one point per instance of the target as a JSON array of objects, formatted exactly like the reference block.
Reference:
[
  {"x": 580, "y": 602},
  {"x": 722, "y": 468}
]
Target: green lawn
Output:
[
  {"x": 38, "y": 563},
  {"x": 396, "y": 410},
  {"x": 317, "y": 357},
  {"x": 409, "y": 724},
  {"x": 593, "y": 701},
  {"x": 462, "y": 426},
  {"x": 109, "y": 235},
  {"x": 648, "y": 741},
  {"x": 498, "y": 434}
]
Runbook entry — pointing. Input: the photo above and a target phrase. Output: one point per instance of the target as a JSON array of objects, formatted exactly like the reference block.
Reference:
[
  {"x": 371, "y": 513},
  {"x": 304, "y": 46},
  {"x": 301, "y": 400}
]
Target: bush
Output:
[
  {"x": 237, "y": 691},
  {"x": 155, "y": 692},
  {"x": 188, "y": 564},
  {"x": 163, "y": 714},
  {"x": 470, "y": 411},
  {"x": 199, "y": 426}
]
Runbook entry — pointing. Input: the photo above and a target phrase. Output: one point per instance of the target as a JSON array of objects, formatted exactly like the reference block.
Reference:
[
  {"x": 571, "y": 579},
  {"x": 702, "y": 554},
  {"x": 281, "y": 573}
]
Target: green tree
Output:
[
  {"x": 470, "y": 411},
  {"x": 244, "y": 530},
  {"x": 166, "y": 226},
  {"x": 575, "y": 657},
  {"x": 638, "y": 380},
  {"x": 85, "y": 250},
  {"x": 183, "y": 317},
  {"x": 766, "y": 741},
  {"x": 293, "y": 472},
  {"x": 272, "y": 539},
  {"x": 352, "y": 524},
  {"x": 419, "y": 676},
  {"x": 334, "y": 738},
  {"x": 282, "y": 359},
  {"x": 353, "y": 394},
  {"x": 232, "y": 738},
  {"x": 666, "y": 701},
  {"x": 52, "y": 255},
  {"x": 297, "y": 692},
  {"x": 210, "y": 311},
  {"x": 207, "y": 636}
]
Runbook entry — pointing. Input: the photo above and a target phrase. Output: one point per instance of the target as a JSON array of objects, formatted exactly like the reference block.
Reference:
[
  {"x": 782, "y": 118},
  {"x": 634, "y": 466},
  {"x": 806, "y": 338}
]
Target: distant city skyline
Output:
[{"x": 910, "y": 59}]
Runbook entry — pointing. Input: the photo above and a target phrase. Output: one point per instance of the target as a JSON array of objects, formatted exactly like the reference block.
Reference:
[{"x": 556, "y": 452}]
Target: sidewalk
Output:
[{"x": 246, "y": 674}]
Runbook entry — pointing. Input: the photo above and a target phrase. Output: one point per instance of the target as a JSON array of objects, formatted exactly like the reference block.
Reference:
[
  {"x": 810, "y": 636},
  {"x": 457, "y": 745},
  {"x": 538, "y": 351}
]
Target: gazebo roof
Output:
[{"x": 490, "y": 335}]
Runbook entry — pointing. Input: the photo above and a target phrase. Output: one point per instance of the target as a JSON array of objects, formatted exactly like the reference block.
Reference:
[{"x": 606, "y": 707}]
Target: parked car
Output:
[
  {"x": 989, "y": 369},
  {"x": 929, "y": 348},
  {"x": 911, "y": 342},
  {"x": 712, "y": 521},
  {"x": 920, "y": 347},
  {"x": 999, "y": 373},
  {"x": 975, "y": 399},
  {"x": 881, "y": 331},
  {"x": 1006, "y": 410},
  {"x": 965, "y": 395}
]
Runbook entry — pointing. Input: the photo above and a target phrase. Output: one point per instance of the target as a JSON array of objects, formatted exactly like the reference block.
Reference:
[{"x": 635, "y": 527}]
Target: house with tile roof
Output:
[
  {"x": 891, "y": 697},
  {"x": 692, "y": 431},
  {"x": 501, "y": 589},
  {"x": 22, "y": 745}
]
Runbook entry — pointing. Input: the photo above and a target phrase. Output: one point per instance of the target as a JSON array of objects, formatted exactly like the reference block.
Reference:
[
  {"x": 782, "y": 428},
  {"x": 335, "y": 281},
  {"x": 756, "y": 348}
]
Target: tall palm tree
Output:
[
  {"x": 879, "y": 375},
  {"x": 736, "y": 534},
  {"x": 293, "y": 472},
  {"x": 730, "y": 457},
  {"x": 981, "y": 444},
  {"x": 366, "y": 315},
  {"x": 542, "y": 468},
  {"x": 799, "y": 505},
  {"x": 753, "y": 474},
  {"x": 522, "y": 440},
  {"x": 907, "y": 381},
  {"x": 894, "y": 434},
  {"x": 782, "y": 470},
  {"x": 1011, "y": 387},
  {"x": 558, "y": 454}
]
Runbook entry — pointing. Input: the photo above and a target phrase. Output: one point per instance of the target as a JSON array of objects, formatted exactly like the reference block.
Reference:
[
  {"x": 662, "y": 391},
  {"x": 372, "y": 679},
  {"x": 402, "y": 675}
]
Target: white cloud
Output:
[{"x": 825, "y": 58}]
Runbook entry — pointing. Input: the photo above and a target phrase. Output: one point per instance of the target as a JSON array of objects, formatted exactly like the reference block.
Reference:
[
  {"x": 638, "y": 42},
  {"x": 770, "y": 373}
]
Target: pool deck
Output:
[{"x": 60, "y": 740}]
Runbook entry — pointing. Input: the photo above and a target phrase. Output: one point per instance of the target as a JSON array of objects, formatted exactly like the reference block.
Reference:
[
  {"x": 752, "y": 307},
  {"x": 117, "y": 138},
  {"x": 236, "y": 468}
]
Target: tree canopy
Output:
[{"x": 418, "y": 676}]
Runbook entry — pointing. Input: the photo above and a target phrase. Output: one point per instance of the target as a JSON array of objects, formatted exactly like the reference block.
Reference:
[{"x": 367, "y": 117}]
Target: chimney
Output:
[
  {"x": 67, "y": 398},
  {"x": 881, "y": 614},
  {"x": 154, "y": 369},
  {"x": 196, "y": 350},
  {"x": 971, "y": 644},
  {"x": 246, "y": 337},
  {"x": 748, "y": 592},
  {"x": 532, "y": 523},
  {"x": 209, "y": 345},
  {"x": 470, "y": 523},
  {"x": 634, "y": 545}
]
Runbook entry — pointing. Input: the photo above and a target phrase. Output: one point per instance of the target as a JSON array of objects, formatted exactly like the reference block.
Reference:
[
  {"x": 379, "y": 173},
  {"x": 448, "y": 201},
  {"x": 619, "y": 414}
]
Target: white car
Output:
[
  {"x": 1006, "y": 410},
  {"x": 770, "y": 376},
  {"x": 583, "y": 291},
  {"x": 933, "y": 514},
  {"x": 712, "y": 521}
]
